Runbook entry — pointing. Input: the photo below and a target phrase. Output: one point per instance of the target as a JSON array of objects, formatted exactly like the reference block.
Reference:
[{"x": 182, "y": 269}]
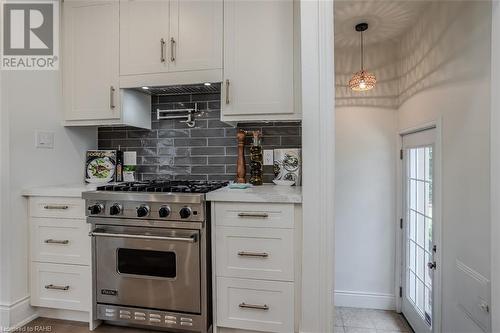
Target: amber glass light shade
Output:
[{"x": 362, "y": 81}]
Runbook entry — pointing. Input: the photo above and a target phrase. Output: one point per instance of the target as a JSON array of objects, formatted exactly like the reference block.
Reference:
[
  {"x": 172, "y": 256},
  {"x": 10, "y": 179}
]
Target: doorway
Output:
[{"x": 420, "y": 238}]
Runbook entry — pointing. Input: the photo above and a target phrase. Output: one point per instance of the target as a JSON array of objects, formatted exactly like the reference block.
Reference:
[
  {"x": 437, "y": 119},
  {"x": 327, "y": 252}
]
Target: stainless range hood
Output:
[{"x": 201, "y": 88}]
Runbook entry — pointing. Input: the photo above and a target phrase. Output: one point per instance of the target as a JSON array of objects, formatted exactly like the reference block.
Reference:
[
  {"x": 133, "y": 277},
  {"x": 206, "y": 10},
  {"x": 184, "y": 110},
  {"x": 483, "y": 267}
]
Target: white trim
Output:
[
  {"x": 82, "y": 316},
  {"x": 318, "y": 149},
  {"x": 365, "y": 300},
  {"x": 438, "y": 231},
  {"x": 16, "y": 314},
  {"x": 494, "y": 167}
]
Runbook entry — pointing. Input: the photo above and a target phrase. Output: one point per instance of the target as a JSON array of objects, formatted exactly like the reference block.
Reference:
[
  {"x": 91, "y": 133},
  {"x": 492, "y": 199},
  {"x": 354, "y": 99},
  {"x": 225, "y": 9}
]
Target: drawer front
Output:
[
  {"x": 255, "y": 253},
  {"x": 60, "y": 286},
  {"x": 57, "y": 207},
  {"x": 64, "y": 241},
  {"x": 260, "y": 215},
  {"x": 255, "y": 305}
]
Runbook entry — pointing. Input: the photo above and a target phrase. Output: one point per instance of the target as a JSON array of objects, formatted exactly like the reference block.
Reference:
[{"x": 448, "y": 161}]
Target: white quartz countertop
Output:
[
  {"x": 68, "y": 190},
  {"x": 263, "y": 193}
]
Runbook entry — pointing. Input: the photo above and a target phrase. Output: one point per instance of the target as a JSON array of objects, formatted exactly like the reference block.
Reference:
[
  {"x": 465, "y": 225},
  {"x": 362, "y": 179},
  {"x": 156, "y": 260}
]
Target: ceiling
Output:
[{"x": 387, "y": 20}]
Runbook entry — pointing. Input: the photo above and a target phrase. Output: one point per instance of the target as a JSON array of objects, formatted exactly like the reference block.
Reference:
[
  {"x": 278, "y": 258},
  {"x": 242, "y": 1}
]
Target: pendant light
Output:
[{"x": 362, "y": 80}]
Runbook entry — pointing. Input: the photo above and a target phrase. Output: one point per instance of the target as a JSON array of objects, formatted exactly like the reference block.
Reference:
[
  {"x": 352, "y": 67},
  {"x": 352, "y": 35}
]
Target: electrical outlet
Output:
[
  {"x": 44, "y": 139},
  {"x": 268, "y": 157}
]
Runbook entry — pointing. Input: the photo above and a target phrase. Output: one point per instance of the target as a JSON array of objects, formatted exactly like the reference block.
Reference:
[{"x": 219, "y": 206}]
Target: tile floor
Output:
[
  {"x": 347, "y": 320},
  {"x": 351, "y": 320}
]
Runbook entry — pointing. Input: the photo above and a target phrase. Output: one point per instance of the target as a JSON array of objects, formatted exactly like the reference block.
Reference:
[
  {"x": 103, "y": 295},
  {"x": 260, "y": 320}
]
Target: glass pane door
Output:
[{"x": 419, "y": 249}]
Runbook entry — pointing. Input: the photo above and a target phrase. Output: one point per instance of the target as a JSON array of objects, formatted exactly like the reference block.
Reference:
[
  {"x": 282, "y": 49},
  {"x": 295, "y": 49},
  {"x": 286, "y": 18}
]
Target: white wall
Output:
[
  {"x": 365, "y": 221},
  {"x": 445, "y": 74},
  {"x": 31, "y": 100}
]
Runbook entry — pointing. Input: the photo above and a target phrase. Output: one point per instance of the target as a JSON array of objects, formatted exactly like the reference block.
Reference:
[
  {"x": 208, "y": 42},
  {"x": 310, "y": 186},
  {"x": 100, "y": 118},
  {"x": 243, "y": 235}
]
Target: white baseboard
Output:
[
  {"x": 354, "y": 299},
  {"x": 17, "y": 314}
]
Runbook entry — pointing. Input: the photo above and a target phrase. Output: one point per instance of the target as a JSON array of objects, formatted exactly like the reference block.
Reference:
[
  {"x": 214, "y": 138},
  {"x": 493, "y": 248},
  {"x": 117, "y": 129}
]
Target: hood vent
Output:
[{"x": 213, "y": 88}]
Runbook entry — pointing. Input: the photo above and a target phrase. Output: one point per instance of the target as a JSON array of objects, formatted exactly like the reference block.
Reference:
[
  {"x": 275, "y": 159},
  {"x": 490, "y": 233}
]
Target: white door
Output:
[
  {"x": 144, "y": 36},
  {"x": 195, "y": 35},
  {"x": 420, "y": 239},
  {"x": 91, "y": 57},
  {"x": 258, "y": 58}
]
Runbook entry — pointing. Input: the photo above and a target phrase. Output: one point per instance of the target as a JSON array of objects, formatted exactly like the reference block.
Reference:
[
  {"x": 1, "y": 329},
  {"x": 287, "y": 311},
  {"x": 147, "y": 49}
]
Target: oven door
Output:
[{"x": 148, "y": 267}]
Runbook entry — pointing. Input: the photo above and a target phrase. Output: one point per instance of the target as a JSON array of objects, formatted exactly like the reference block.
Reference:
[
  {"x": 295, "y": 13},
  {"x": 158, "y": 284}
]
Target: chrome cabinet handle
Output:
[
  {"x": 253, "y": 254},
  {"x": 62, "y": 207},
  {"x": 56, "y": 241},
  {"x": 264, "y": 307},
  {"x": 112, "y": 97},
  {"x": 227, "y": 91},
  {"x": 172, "y": 49},
  {"x": 260, "y": 215},
  {"x": 112, "y": 235},
  {"x": 54, "y": 287},
  {"x": 162, "y": 50}
]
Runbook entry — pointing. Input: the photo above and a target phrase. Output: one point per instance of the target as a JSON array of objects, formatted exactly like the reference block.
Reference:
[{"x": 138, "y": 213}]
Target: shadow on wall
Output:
[{"x": 444, "y": 46}]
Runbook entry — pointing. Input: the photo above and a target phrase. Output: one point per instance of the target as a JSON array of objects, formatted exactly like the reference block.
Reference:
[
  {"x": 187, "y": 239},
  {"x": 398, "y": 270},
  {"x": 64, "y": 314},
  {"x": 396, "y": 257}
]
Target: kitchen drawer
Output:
[
  {"x": 57, "y": 207},
  {"x": 261, "y": 215},
  {"x": 64, "y": 241},
  {"x": 255, "y": 305},
  {"x": 255, "y": 253},
  {"x": 60, "y": 286}
]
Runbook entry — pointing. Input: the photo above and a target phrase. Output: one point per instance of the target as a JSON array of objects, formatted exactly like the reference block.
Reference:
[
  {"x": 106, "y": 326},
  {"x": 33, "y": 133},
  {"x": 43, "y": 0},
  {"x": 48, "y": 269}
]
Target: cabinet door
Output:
[
  {"x": 91, "y": 60},
  {"x": 195, "y": 35},
  {"x": 144, "y": 36},
  {"x": 258, "y": 57}
]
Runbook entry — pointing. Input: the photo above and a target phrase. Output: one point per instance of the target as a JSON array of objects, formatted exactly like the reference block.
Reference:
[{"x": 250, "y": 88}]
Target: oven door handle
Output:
[{"x": 191, "y": 239}]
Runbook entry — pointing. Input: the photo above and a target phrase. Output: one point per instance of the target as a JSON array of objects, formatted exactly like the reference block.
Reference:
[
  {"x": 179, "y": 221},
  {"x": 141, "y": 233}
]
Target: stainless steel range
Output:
[{"x": 151, "y": 254}]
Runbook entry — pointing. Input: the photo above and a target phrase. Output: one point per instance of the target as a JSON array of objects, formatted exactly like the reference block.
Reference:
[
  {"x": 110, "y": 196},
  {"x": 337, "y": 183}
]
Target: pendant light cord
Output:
[{"x": 362, "y": 52}]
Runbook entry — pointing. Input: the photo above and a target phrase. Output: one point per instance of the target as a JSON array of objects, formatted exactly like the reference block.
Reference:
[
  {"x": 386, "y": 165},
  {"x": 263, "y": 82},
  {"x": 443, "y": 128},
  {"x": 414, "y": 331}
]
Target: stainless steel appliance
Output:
[{"x": 151, "y": 254}]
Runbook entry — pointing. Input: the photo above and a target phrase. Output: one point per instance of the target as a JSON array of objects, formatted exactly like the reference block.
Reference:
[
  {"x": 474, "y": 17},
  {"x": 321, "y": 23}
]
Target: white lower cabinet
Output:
[
  {"x": 255, "y": 266},
  {"x": 255, "y": 304},
  {"x": 60, "y": 254},
  {"x": 60, "y": 286}
]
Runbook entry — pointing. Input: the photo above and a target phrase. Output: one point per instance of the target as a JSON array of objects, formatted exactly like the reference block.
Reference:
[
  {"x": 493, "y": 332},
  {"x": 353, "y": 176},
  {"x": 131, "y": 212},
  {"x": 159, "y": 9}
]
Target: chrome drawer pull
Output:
[
  {"x": 56, "y": 207},
  {"x": 54, "y": 287},
  {"x": 227, "y": 92},
  {"x": 253, "y": 254},
  {"x": 112, "y": 235},
  {"x": 254, "y": 306},
  {"x": 172, "y": 49},
  {"x": 56, "y": 241},
  {"x": 112, "y": 97},
  {"x": 260, "y": 215},
  {"x": 162, "y": 50}
]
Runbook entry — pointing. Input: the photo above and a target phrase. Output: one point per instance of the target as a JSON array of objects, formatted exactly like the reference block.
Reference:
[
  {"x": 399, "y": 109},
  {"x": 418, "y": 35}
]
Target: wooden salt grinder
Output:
[{"x": 241, "y": 171}]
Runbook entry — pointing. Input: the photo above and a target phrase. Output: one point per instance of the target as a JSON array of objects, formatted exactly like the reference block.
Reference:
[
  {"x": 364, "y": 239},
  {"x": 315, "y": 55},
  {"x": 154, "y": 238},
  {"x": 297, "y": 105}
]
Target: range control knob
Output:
[
  {"x": 185, "y": 212},
  {"x": 96, "y": 209},
  {"x": 142, "y": 211},
  {"x": 164, "y": 211},
  {"x": 115, "y": 209}
]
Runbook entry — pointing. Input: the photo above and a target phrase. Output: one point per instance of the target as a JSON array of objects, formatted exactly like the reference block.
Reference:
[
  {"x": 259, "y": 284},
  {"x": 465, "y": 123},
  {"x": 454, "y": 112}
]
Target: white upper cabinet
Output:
[
  {"x": 144, "y": 34},
  {"x": 91, "y": 87},
  {"x": 196, "y": 35},
  {"x": 260, "y": 61},
  {"x": 91, "y": 60},
  {"x": 166, "y": 42}
]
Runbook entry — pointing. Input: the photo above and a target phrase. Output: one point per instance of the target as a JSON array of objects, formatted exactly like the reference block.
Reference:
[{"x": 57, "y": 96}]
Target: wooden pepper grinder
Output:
[{"x": 241, "y": 171}]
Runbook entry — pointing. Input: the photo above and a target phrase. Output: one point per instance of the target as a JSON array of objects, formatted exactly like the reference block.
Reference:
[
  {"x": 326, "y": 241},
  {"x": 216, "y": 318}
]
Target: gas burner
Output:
[{"x": 165, "y": 186}]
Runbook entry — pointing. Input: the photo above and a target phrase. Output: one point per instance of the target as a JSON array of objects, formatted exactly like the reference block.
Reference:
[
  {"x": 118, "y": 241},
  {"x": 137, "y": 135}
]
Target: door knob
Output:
[{"x": 431, "y": 265}]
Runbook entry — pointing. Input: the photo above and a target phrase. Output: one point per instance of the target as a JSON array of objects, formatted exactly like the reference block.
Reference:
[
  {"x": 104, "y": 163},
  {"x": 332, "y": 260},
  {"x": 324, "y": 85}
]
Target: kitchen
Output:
[{"x": 171, "y": 84}]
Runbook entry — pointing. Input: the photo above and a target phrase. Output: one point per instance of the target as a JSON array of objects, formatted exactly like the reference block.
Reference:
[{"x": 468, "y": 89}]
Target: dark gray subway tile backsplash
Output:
[{"x": 172, "y": 150}]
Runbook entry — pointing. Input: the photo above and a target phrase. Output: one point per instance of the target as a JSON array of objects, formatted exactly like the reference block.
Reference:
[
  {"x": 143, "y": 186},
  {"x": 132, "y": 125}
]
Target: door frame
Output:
[{"x": 437, "y": 219}]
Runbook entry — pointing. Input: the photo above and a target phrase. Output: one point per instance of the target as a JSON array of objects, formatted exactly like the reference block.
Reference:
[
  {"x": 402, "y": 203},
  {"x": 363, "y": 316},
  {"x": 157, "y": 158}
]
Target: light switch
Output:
[
  {"x": 268, "y": 157},
  {"x": 44, "y": 139}
]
